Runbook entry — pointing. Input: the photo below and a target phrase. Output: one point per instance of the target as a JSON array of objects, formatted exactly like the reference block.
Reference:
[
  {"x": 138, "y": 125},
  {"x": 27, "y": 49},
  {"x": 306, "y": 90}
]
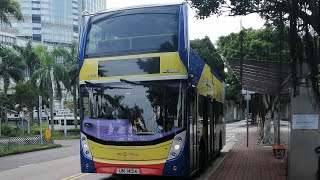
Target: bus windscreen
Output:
[
  {"x": 134, "y": 31},
  {"x": 124, "y": 112}
]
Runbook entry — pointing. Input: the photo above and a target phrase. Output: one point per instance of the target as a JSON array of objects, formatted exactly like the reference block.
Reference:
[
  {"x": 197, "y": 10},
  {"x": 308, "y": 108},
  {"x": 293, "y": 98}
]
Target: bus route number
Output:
[{"x": 92, "y": 76}]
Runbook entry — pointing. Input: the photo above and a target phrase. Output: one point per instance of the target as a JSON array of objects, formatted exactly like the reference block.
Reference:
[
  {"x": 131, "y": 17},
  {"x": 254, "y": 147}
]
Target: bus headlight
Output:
[
  {"x": 85, "y": 146},
  {"x": 177, "y": 145}
]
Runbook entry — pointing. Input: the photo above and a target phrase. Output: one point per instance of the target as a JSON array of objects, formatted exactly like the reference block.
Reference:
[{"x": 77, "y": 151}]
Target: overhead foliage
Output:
[
  {"x": 209, "y": 54},
  {"x": 7, "y": 8},
  {"x": 262, "y": 44}
]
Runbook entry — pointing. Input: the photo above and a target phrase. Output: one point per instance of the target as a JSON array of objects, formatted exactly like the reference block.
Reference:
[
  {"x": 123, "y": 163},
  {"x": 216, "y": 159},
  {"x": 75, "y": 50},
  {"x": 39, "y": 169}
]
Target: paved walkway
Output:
[{"x": 255, "y": 162}]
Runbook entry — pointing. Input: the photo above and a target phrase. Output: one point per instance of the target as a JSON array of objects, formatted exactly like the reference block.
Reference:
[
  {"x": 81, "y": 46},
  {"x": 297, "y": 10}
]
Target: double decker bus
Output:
[{"x": 149, "y": 105}]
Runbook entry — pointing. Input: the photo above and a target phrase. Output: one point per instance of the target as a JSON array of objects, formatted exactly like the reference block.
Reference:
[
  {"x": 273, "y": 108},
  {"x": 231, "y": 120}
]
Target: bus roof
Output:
[{"x": 137, "y": 7}]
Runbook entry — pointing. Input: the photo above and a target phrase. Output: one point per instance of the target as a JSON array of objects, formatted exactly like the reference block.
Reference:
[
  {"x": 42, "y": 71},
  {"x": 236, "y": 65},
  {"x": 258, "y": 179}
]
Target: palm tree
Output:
[
  {"x": 30, "y": 58},
  {"x": 71, "y": 80},
  {"x": 7, "y": 8},
  {"x": 11, "y": 67},
  {"x": 49, "y": 75}
]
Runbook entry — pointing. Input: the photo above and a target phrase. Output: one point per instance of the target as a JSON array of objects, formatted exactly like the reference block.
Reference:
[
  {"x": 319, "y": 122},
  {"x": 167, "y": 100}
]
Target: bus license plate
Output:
[{"x": 128, "y": 171}]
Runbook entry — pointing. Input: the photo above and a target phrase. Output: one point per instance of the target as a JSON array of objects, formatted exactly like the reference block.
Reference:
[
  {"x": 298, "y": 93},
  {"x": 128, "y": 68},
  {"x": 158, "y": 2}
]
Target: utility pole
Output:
[
  {"x": 40, "y": 118},
  {"x": 280, "y": 73},
  {"x": 241, "y": 41}
]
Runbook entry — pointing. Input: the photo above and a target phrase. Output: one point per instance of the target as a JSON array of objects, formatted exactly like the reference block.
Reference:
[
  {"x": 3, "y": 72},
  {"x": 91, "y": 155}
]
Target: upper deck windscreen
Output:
[{"x": 133, "y": 31}]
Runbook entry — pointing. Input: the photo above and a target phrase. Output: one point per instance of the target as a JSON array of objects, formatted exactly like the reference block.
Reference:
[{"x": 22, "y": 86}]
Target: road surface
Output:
[{"x": 64, "y": 163}]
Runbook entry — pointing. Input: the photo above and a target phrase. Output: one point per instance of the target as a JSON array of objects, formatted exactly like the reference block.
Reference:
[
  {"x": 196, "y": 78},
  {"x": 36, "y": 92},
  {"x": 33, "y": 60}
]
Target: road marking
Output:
[
  {"x": 79, "y": 176},
  {"x": 26, "y": 165},
  {"x": 75, "y": 176}
]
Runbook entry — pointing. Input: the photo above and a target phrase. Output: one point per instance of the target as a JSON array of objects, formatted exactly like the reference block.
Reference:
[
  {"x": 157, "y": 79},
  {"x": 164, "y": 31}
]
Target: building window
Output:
[
  {"x": 36, "y": 18},
  {"x": 36, "y": 37}
]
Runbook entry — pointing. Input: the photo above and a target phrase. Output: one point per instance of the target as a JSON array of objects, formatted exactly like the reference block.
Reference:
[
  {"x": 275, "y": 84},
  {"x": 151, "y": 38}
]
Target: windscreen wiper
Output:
[
  {"x": 103, "y": 87},
  {"x": 142, "y": 83}
]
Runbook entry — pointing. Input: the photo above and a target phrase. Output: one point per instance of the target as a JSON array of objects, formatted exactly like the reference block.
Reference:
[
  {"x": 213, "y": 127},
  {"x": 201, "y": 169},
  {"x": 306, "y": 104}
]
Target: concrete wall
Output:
[
  {"x": 303, "y": 161},
  {"x": 233, "y": 113}
]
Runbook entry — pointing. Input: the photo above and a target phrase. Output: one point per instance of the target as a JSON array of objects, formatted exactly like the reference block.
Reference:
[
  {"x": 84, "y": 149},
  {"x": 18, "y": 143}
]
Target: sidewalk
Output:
[{"x": 255, "y": 162}]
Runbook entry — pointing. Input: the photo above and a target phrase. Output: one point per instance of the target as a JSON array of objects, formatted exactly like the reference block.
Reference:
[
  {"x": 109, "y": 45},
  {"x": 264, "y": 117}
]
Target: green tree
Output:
[
  {"x": 30, "y": 58},
  {"x": 11, "y": 68},
  {"x": 302, "y": 18},
  {"x": 209, "y": 54},
  {"x": 9, "y": 8},
  {"x": 49, "y": 74},
  {"x": 26, "y": 97},
  {"x": 261, "y": 44},
  {"x": 71, "y": 80}
]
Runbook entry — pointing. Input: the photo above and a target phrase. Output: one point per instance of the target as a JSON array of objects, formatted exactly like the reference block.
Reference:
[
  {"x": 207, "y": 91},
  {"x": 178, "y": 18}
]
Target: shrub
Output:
[
  {"x": 35, "y": 128},
  {"x": 11, "y": 131}
]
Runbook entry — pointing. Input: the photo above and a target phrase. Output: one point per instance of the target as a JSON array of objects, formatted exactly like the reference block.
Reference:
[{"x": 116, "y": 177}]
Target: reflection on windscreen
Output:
[
  {"x": 135, "y": 31},
  {"x": 138, "y": 109}
]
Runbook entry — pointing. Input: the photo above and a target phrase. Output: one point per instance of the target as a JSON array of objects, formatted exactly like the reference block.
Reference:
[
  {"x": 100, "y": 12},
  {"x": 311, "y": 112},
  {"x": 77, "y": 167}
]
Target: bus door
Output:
[
  {"x": 203, "y": 124},
  {"x": 192, "y": 114},
  {"x": 210, "y": 128},
  {"x": 216, "y": 122},
  {"x": 212, "y": 114}
]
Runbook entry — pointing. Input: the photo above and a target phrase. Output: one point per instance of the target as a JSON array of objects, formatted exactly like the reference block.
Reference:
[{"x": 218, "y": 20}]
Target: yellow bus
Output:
[{"x": 149, "y": 105}]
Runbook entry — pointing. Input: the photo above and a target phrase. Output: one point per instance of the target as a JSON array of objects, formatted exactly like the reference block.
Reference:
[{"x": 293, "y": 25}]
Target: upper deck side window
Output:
[{"x": 134, "y": 31}]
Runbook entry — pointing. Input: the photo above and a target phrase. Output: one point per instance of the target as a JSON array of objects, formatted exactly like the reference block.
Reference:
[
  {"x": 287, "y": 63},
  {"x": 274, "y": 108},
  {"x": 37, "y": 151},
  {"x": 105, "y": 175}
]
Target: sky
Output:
[{"x": 213, "y": 27}]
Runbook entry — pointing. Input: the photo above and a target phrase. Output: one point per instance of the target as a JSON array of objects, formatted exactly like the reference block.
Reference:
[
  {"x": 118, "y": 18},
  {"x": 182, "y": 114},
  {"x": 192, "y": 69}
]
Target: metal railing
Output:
[{"x": 11, "y": 142}]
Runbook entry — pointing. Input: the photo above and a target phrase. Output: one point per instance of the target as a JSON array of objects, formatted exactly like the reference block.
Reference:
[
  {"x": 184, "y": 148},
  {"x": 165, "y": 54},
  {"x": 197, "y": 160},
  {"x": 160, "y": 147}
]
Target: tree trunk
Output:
[
  {"x": 267, "y": 129},
  {"x": 6, "y": 115},
  {"x": 5, "y": 89},
  {"x": 30, "y": 122},
  {"x": 51, "y": 110},
  {"x": 267, "y": 101},
  {"x": 75, "y": 106},
  {"x": 31, "y": 116},
  {"x": 275, "y": 124}
]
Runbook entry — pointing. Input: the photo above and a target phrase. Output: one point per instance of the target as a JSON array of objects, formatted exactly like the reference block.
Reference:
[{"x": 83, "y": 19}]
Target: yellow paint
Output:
[
  {"x": 168, "y": 61},
  {"x": 158, "y": 152},
  {"x": 76, "y": 176},
  {"x": 47, "y": 134},
  {"x": 89, "y": 70},
  {"x": 209, "y": 85}
]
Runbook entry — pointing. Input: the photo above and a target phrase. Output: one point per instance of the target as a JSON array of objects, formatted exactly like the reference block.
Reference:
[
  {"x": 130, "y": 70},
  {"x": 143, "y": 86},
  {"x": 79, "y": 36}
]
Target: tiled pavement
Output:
[{"x": 255, "y": 162}]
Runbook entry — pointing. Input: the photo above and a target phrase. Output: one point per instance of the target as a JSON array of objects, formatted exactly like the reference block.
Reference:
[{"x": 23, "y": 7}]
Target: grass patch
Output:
[
  {"x": 71, "y": 134},
  {"x": 17, "y": 149}
]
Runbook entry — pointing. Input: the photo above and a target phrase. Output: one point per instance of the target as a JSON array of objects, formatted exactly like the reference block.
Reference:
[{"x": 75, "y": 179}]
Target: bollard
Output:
[{"x": 65, "y": 126}]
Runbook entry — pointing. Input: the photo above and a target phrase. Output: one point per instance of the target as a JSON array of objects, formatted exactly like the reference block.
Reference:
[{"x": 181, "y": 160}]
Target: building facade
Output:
[{"x": 51, "y": 22}]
